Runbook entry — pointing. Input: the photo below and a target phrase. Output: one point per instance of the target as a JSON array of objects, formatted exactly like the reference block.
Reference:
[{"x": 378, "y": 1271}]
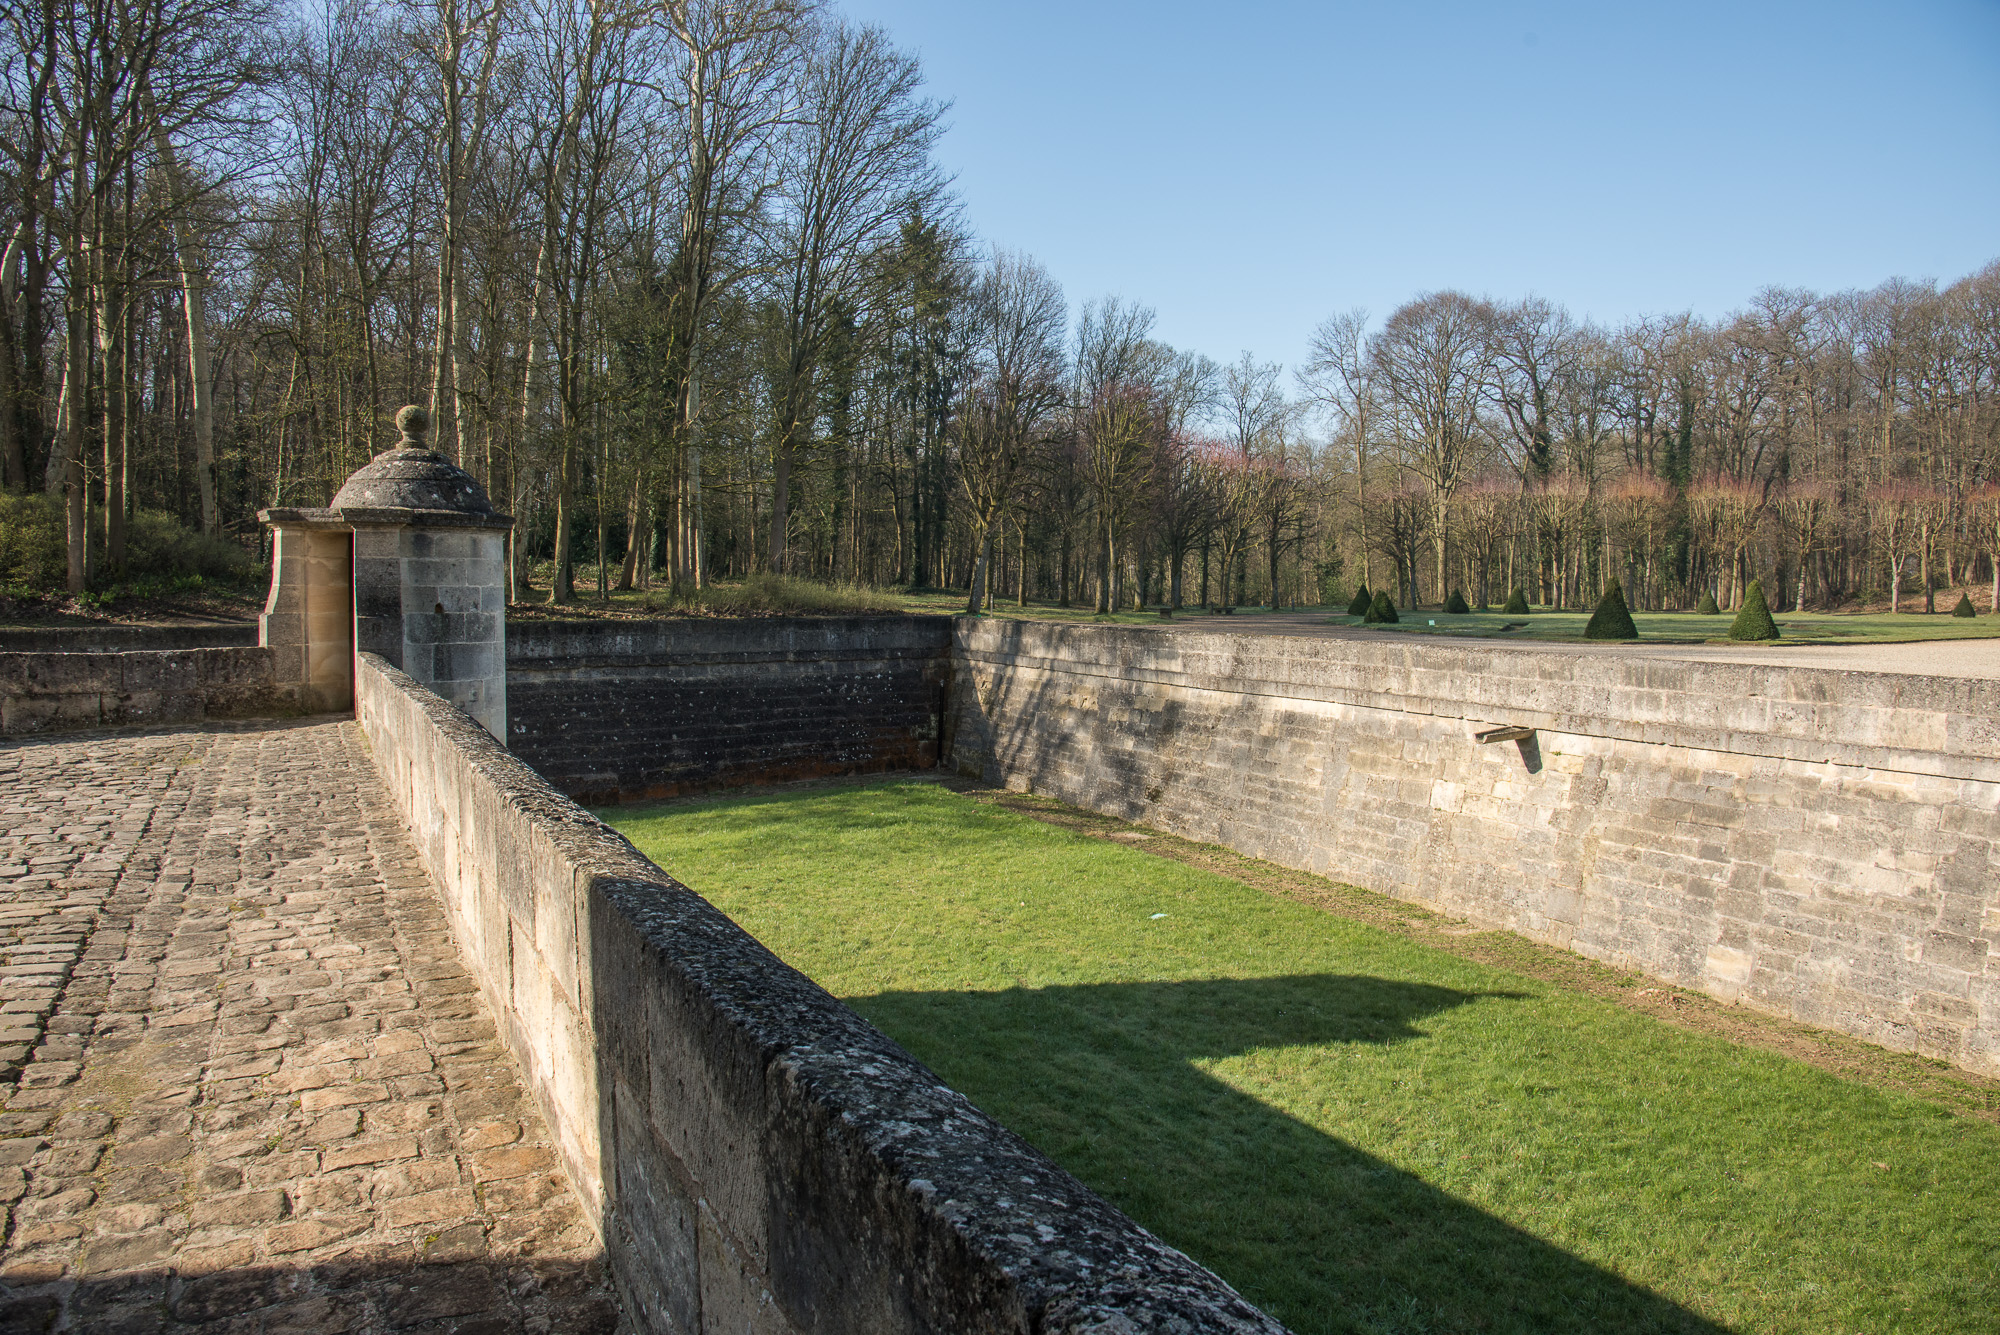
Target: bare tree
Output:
[
  {"x": 736, "y": 64},
  {"x": 1430, "y": 359},
  {"x": 1018, "y": 317},
  {"x": 1339, "y": 378},
  {"x": 857, "y": 162},
  {"x": 1117, "y": 416},
  {"x": 455, "y": 28},
  {"x": 1533, "y": 346}
]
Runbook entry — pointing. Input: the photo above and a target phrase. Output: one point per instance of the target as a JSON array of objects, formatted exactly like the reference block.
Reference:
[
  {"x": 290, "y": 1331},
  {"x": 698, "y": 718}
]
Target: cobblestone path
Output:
[{"x": 247, "y": 1085}]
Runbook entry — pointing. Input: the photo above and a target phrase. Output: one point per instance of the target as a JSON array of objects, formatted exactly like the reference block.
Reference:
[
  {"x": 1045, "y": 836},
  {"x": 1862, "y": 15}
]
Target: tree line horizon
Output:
[{"x": 683, "y": 285}]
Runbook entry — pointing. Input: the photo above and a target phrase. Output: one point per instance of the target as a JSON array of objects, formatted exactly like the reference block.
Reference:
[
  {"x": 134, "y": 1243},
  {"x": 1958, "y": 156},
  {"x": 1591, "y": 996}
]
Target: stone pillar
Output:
[{"x": 416, "y": 541}]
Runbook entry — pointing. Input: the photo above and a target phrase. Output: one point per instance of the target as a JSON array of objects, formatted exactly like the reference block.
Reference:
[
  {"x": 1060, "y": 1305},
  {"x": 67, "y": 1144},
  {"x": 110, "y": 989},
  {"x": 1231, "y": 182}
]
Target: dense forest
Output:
[{"x": 684, "y": 286}]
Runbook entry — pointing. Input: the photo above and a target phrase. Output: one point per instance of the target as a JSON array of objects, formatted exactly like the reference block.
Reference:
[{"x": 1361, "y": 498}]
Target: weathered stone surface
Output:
[
  {"x": 756, "y": 1155},
  {"x": 412, "y": 476},
  {"x": 621, "y": 711},
  {"x": 46, "y": 692},
  {"x": 210, "y": 928},
  {"x": 1825, "y": 845}
]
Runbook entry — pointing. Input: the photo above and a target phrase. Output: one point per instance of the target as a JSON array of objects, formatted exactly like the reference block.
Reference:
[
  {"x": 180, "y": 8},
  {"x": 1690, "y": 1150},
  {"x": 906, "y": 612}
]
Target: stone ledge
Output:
[{"x": 1948, "y": 727}]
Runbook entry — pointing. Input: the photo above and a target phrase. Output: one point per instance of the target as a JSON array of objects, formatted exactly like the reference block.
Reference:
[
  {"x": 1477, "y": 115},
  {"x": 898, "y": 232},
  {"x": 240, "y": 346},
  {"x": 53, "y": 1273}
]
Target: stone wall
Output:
[
  {"x": 119, "y": 638},
  {"x": 42, "y": 692},
  {"x": 614, "y": 711},
  {"x": 1819, "y": 844},
  {"x": 756, "y": 1156},
  {"x": 430, "y": 596}
]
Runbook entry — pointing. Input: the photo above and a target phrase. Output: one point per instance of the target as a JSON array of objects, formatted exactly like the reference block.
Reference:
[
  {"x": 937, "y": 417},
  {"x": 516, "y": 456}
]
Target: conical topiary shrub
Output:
[
  {"x": 1362, "y": 600},
  {"x": 1706, "y": 607},
  {"x": 1754, "y": 621},
  {"x": 1965, "y": 607},
  {"x": 1517, "y": 604},
  {"x": 1456, "y": 603},
  {"x": 1613, "y": 619},
  {"x": 1381, "y": 612}
]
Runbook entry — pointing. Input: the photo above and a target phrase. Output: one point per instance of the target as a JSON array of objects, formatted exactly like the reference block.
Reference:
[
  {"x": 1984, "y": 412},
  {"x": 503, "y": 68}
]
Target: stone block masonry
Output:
[
  {"x": 621, "y": 711},
  {"x": 44, "y": 692},
  {"x": 756, "y": 1156},
  {"x": 1823, "y": 845}
]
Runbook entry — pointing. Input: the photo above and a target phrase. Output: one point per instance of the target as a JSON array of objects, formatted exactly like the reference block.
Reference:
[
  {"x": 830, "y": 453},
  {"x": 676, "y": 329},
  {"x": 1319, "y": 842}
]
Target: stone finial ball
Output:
[{"x": 415, "y": 423}]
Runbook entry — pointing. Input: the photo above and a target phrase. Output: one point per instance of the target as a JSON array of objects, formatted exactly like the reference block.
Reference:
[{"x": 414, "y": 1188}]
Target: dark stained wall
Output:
[{"x": 623, "y": 711}]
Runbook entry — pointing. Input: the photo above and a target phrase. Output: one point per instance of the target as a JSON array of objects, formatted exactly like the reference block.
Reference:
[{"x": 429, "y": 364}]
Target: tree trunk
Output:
[
  {"x": 1021, "y": 574},
  {"x": 635, "y": 542},
  {"x": 76, "y": 398},
  {"x": 13, "y": 421},
  {"x": 975, "y": 601},
  {"x": 1105, "y": 554},
  {"x": 562, "y": 586},
  {"x": 691, "y": 414},
  {"x": 1274, "y": 565},
  {"x": 113, "y": 347},
  {"x": 517, "y": 557},
  {"x": 781, "y": 500},
  {"x": 1924, "y": 574}
]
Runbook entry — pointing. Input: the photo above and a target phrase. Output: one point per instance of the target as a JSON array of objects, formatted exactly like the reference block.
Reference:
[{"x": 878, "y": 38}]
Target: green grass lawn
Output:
[
  {"x": 1691, "y": 628},
  {"x": 1359, "y": 1132}
]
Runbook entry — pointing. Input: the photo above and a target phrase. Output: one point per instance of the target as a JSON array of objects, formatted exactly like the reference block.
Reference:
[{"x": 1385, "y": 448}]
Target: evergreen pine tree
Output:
[
  {"x": 1706, "y": 607},
  {"x": 1613, "y": 619},
  {"x": 1362, "y": 601},
  {"x": 1381, "y": 611},
  {"x": 1754, "y": 621},
  {"x": 1456, "y": 603},
  {"x": 1965, "y": 607},
  {"x": 1517, "y": 604}
]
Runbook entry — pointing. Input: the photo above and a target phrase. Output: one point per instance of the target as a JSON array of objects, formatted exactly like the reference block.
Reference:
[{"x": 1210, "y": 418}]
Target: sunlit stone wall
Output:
[{"x": 1820, "y": 844}]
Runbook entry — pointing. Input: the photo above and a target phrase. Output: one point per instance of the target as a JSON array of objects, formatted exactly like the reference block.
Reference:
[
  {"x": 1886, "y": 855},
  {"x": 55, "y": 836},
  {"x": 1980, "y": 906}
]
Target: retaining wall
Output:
[
  {"x": 756, "y": 1156},
  {"x": 615, "y": 711},
  {"x": 42, "y": 692},
  {"x": 1820, "y": 844}
]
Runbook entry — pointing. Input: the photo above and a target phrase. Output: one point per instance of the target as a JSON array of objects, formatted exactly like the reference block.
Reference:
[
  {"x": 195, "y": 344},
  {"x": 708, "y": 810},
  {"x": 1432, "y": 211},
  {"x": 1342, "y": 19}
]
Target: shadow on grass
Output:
[{"x": 1323, "y": 1236}]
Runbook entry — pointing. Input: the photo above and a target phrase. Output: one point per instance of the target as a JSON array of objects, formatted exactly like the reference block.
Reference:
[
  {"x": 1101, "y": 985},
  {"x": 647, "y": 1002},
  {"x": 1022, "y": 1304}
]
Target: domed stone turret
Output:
[
  {"x": 413, "y": 476},
  {"x": 409, "y": 562}
]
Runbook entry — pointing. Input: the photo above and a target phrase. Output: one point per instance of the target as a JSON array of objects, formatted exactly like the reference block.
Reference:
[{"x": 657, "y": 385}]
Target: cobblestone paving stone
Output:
[{"x": 245, "y": 1084}]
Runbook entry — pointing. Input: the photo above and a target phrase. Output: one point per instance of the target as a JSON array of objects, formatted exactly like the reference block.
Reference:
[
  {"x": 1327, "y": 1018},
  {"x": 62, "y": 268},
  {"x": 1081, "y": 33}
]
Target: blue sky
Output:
[{"x": 1249, "y": 169}]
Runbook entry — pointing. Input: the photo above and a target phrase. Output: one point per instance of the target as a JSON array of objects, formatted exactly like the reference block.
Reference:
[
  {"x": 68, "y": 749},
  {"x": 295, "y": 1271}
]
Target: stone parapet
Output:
[
  {"x": 755, "y": 1155},
  {"x": 45, "y": 692},
  {"x": 1819, "y": 844}
]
